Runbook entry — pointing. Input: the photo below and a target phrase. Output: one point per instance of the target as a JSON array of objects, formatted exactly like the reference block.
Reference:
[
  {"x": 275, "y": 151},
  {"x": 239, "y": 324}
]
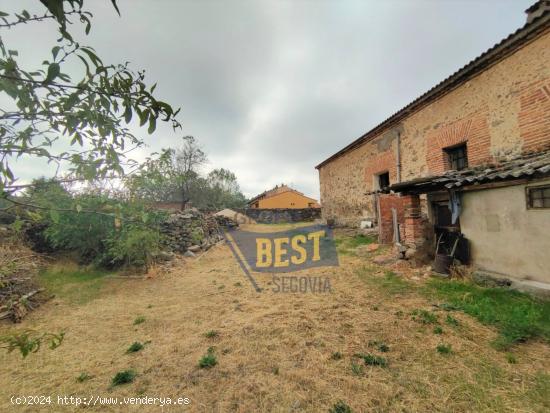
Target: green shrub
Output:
[
  {"x": 373, "y": 360},
  {"x": 336, "y": 356},
  {"x": 356, "y": 369},
  {"x": 438, "y": 330},
  {"x": 340, "y": 407},
  {"x": 123, "y": 377},
  {"x": 208, "y": 360},
  {"x": 424, "y": 317},
  {"x": 140, "y": 319},
  {"x": 444, "y": 348},
  {"x": 83, "y": 377},
  {"x": 451, "y": 321},
  {"x": 100, "y": 229},
  {"x": 211, "y": 334},
  {"x": 135, "y": 347}
]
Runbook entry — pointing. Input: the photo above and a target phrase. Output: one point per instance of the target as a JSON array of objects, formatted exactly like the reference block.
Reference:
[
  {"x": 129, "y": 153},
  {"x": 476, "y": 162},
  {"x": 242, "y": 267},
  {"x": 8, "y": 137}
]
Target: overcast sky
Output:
[{"x": 272, "y": 88}]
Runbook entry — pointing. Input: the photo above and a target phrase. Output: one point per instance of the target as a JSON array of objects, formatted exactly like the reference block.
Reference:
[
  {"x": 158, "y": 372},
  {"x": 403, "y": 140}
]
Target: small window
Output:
[
  {"x": 383, "y": 180},
  {"x": 538, "y": 197},
  {"x": 458, "y": 157}
]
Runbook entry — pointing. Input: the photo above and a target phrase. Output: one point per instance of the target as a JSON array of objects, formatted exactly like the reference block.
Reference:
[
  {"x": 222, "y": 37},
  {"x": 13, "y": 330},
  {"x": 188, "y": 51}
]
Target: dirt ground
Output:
[{"x": 276, "y": 352}]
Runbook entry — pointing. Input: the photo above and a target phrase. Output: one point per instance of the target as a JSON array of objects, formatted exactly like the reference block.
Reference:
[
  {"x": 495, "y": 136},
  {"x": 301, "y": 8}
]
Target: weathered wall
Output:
[
  {"x": 501, "y": 112},
  {"x": 506, "y": 237},
  {"x": 281, "y": 215},
  {"x": 288, "y": 199}
]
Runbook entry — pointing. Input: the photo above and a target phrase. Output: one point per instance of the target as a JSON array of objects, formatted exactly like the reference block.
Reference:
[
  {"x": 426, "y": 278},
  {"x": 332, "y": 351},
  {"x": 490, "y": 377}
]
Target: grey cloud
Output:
[{"x": 271, "y": 88}]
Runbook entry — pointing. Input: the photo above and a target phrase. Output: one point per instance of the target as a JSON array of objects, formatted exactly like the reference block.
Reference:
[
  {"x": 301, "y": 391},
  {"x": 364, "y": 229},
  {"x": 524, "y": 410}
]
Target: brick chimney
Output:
[{"x": 538, "y": 9}]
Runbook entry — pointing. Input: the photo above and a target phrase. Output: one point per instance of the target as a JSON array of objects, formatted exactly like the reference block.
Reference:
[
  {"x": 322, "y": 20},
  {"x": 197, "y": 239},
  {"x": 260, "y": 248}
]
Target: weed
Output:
[
  {"x": 83, "y": 377},
  {"x": 135, "y": 347},
  {"x": 73, "y": 284},
  {"x": 211, "y": 334},
  {"x": 139, "y": 320},
  {"x": 516, "y": 315},
  {"x": 511, "y": 358},
  {"x": 237, "y": 284},
  {"x": 275, "y": 370},
  {"x": 438, "y": 330},
  {"x": 150, "y": 306},
  {"x": 451, "y": 321},
  {"x": 340, "y": 407},
  {"x": 444, "y": 348},
  {"x": 391, "y": 283},
  {"x": 123, "y": 377},
  {"x": 221, "y": 287},
  {"x": 380, "y": 345},
  {"x": 375, "y": 308},
  {"x": 425, "y": 317},
  {"x": 208, "y": 360},
  {"x": 372, "y": 360},
  {"x": 356, "y": 369},
  {"x": 336, "y": 356}
]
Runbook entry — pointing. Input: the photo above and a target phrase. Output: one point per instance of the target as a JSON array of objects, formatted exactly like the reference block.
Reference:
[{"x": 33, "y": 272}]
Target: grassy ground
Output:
[{"x": 379, "y": 342}]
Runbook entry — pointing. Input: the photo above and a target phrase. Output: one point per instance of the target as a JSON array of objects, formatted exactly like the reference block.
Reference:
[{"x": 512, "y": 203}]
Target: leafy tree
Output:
[
  {"x": 51, "y": 111},
  {"x": 170, "y": 176}
]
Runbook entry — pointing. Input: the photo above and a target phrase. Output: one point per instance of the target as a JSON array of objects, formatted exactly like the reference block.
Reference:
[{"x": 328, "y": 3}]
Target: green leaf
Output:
[
  {"x": 56, "y": 8},
  {"x": 143, "y": 116},
  {"x": 53, "y": 72},
  {"x": 55, "y": 51},
  {"x": 128, "y": 114},
  {"x": 54, "y": 216},
  {"x": 152, "y": 125},
  {"x": 115, "y": 6}
]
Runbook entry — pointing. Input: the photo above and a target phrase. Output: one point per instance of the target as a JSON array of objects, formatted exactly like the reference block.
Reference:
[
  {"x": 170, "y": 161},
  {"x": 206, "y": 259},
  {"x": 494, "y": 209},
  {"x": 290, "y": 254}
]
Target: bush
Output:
[
  {"x": 208, "y": 360},
  {"x": 100, "y": 229},
  {"x": 123, "y": 377}
]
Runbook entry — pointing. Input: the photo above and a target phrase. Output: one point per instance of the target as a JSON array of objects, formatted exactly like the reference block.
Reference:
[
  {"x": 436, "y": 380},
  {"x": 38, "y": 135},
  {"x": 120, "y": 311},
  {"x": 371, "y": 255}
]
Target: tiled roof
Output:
[
  {"x": 499, "y": 51},
  {"x": 527, "y": 166}
]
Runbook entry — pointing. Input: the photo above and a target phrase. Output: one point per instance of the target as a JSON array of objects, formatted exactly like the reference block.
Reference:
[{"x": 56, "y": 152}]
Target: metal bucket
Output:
[{"x": 442, "y": 263}]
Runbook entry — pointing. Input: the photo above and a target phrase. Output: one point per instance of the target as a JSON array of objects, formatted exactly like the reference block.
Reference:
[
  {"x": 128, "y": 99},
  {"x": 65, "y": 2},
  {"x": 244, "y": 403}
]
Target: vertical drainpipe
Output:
[
  {"x": 397, "y": 239},
  {"x": 398, "y": 157}
]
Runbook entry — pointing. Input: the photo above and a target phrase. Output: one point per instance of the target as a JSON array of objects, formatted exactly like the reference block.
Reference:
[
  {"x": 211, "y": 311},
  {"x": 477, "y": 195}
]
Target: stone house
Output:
[
  {"x": 282, "y": 197},
  {"x": 469, "y": 160}
]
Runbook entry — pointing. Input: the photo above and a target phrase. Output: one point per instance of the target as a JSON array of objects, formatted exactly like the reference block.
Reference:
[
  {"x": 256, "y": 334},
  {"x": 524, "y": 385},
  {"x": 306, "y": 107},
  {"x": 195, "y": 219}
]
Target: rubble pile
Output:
[{"x": 19, "y": 292}]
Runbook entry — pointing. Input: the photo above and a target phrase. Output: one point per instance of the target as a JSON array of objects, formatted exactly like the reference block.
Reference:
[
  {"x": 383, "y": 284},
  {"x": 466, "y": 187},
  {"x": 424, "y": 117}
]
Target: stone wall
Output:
[
  {"x": 281, "y": 215},
  {"x": 501, "y": 112},
  {"x": 191, "y": 229}
]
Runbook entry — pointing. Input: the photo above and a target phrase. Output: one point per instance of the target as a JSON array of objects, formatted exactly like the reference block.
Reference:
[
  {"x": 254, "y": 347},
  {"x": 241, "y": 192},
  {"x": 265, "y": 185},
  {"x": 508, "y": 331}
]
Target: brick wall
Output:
[
  {"x": 500, "y": 113},
  {"x": 534, "y": 116},
  {"x": 387, "y": 202},
  {"x": 472, "y": 131}
]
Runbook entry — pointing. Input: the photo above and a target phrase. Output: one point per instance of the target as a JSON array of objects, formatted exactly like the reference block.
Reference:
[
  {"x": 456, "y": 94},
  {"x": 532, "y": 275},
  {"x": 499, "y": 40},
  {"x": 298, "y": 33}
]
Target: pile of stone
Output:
[
  {"x": 225, "y": 222},
  {"x": 189, "y": 231}
]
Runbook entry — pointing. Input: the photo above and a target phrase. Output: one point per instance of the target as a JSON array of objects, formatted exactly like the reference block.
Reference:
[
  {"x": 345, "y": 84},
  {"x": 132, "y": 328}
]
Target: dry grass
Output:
[{"x": 274, "y": 352}]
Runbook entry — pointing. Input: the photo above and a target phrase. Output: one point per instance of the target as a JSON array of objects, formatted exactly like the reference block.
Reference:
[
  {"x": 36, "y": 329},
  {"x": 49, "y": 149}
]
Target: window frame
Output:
[
  {"x": 529, "y": 198},
  {"x": 377, "y": 177},
  {"x": 451, "y": 150}
]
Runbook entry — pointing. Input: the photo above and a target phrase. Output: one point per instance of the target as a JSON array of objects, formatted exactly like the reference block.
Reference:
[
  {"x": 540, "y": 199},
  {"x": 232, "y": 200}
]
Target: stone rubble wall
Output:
[
  {"x": 191, "y": 229},
  {"x": 282, "y": 215}
]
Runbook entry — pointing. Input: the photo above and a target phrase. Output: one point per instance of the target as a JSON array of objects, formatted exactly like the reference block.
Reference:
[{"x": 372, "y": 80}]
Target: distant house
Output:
[{"x": 282, "y": 197}]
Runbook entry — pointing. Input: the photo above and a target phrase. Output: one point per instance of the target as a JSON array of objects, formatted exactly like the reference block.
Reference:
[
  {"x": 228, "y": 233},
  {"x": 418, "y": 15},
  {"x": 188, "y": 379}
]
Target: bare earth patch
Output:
[{"x": 274, "y": 352}]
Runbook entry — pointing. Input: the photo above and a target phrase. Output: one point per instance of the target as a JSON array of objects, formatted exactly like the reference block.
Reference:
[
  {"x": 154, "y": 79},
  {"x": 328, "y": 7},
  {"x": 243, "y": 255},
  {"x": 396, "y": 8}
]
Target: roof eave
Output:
[{"x": 496, "y": 53}]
